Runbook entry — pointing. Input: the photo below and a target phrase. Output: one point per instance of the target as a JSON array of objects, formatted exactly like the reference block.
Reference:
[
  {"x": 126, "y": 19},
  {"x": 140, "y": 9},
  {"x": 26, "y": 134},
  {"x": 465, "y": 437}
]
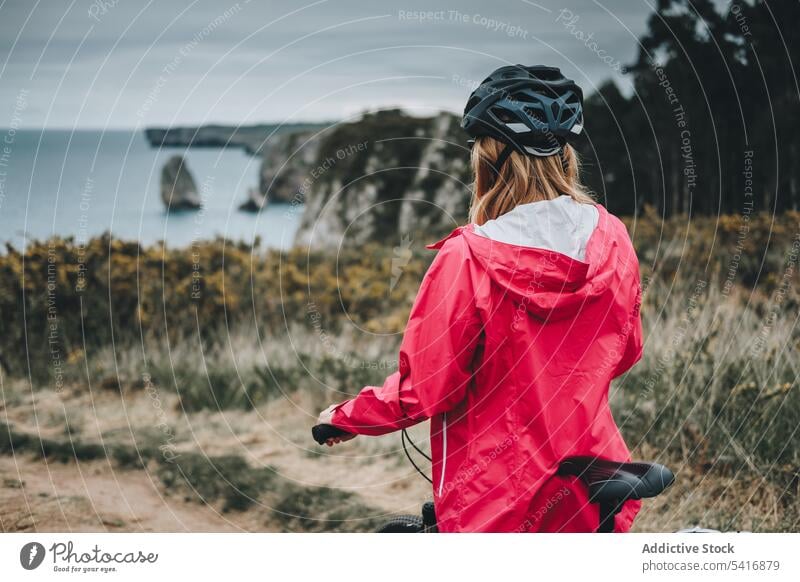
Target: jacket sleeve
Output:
[
  {"x": 435, "y": 360},
  {"x": 632, "y": 332}
]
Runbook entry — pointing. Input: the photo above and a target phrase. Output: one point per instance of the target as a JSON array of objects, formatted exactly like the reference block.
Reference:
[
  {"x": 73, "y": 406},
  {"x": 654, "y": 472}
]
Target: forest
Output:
[{"x": 712, "y": 126}]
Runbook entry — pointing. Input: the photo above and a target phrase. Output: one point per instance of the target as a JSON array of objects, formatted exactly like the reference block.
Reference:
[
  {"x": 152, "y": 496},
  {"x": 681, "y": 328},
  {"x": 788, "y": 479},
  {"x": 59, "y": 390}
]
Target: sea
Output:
[{"x": 85, "y": 183}]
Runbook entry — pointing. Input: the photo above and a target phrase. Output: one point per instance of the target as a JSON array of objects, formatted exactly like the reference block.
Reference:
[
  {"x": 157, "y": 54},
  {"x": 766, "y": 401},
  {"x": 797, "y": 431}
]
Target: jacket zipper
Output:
[{"x": 444, "y": 452}]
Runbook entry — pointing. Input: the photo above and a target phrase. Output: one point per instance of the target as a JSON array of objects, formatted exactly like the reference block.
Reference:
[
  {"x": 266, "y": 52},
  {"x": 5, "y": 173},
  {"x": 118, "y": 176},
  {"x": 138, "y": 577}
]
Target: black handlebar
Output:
[{"x": 323, "y": 432}]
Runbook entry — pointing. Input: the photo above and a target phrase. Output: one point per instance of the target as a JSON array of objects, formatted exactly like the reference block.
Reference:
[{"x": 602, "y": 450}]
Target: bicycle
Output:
[{"x": 610, "y": 484}]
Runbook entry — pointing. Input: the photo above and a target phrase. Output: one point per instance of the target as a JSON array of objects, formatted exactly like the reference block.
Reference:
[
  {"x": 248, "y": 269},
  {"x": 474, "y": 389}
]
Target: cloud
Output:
[{"x": 95, "y": 64}]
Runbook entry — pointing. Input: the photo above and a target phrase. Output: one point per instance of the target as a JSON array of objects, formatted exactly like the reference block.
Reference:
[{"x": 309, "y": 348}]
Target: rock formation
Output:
[
  {"x": 178, "y": 189},
  {"x": 391, "y": 176},
  {"x": 288, "y": 160},
  {"x": 384, "y": 177},
  {"x": 255, "y": 202}
]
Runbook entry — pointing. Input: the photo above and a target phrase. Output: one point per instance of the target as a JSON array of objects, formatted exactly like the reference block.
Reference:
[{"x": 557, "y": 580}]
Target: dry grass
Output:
[{"x": 715, "y": 397}]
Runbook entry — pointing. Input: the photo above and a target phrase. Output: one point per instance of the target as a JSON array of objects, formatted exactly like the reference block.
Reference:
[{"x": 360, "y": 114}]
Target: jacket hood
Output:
[{"x": 551, "y": 256}]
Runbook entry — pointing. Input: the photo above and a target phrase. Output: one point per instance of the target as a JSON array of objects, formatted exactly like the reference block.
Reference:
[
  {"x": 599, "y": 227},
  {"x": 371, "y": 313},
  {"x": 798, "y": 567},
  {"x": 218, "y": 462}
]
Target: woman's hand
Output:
[{"x": 326, "y": 417}]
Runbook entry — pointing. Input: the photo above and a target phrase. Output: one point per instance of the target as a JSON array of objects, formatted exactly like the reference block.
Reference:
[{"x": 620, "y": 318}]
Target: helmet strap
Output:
[
  {"x": 498, "y": 165},
  {"x": 564, "y": 162}
]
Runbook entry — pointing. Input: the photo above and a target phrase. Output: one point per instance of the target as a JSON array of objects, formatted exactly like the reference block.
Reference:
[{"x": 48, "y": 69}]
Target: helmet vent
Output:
[
  {"x": 546, "y": 74},
  {"x": 537, "y": 114},
  {"x": 503, "y": 115},
  {"x": 573, "y": 103}
]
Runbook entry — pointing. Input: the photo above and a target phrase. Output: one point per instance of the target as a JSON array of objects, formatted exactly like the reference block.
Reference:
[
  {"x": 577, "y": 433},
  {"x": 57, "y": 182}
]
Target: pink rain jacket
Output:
[{"x": 509, "y": 350}]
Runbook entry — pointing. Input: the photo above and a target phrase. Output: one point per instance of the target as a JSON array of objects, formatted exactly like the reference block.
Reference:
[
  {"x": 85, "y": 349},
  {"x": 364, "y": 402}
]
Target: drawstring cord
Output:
[{"x": 403, "y": 437}]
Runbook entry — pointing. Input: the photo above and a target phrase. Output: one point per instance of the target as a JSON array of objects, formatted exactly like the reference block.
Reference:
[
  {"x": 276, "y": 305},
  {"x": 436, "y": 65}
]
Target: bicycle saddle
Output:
[{"x": 611, "y": 483}]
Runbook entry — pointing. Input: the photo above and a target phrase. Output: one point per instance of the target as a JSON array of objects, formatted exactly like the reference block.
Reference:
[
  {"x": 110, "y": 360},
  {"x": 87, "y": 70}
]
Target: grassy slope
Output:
[{"x": 715, "y": 395}]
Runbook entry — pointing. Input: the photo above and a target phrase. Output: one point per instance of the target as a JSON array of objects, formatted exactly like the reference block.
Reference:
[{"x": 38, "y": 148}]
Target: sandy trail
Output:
[
  {"x": 38, "y": 495},
  {"x": 35, "y": 496},
  {"x": 99, "y": 496}
]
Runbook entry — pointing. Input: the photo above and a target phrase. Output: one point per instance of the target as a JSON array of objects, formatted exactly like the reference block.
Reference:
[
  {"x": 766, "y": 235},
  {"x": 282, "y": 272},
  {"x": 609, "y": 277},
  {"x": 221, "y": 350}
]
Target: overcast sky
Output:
[{"x": 120, "y": 63}]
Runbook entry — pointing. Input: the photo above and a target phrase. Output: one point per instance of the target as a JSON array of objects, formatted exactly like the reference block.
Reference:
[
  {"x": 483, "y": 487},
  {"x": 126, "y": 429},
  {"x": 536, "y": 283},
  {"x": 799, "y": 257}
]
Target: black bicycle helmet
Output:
[{"x": 534, "y": 110}]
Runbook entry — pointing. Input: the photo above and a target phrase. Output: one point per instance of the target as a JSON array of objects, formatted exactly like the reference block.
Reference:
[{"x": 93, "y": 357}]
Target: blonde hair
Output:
[{"x": 522, "y": 179}]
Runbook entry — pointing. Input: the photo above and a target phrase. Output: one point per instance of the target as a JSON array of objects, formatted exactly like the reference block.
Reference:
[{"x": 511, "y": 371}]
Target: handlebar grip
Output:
[{"x": 323, "y": 432}]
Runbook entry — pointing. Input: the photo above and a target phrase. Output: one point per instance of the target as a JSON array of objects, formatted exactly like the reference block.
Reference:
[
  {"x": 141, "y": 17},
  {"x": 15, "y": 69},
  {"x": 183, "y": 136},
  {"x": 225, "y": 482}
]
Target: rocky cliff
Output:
[
  {"x": 288, "y": 161},
  {"x": 386, "y": 177},
  {"x": 251, "y": 138}
]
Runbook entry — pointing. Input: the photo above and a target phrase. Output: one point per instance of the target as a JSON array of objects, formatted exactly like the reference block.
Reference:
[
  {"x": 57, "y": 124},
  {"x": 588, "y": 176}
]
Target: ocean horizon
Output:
[{"x": 84, "y": 183}]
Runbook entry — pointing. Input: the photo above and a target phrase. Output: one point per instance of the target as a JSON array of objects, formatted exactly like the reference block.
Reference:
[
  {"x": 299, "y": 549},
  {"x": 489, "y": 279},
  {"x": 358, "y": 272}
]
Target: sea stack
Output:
[
  {"x": 178, "y": 189},
  {"x": 255, "y": 202}
]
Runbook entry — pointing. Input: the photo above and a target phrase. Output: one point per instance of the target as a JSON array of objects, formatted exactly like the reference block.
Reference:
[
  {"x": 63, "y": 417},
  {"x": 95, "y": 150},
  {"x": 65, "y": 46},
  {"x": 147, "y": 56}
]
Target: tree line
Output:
[{"x": 712, "y": 124}]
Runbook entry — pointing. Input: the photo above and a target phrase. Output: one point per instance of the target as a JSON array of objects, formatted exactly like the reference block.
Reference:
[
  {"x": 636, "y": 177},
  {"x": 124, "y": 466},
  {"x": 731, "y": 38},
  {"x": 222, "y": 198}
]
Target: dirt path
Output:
[
  {"x": 35, "y": 496},
  {"x": 99, "y": 496}
]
